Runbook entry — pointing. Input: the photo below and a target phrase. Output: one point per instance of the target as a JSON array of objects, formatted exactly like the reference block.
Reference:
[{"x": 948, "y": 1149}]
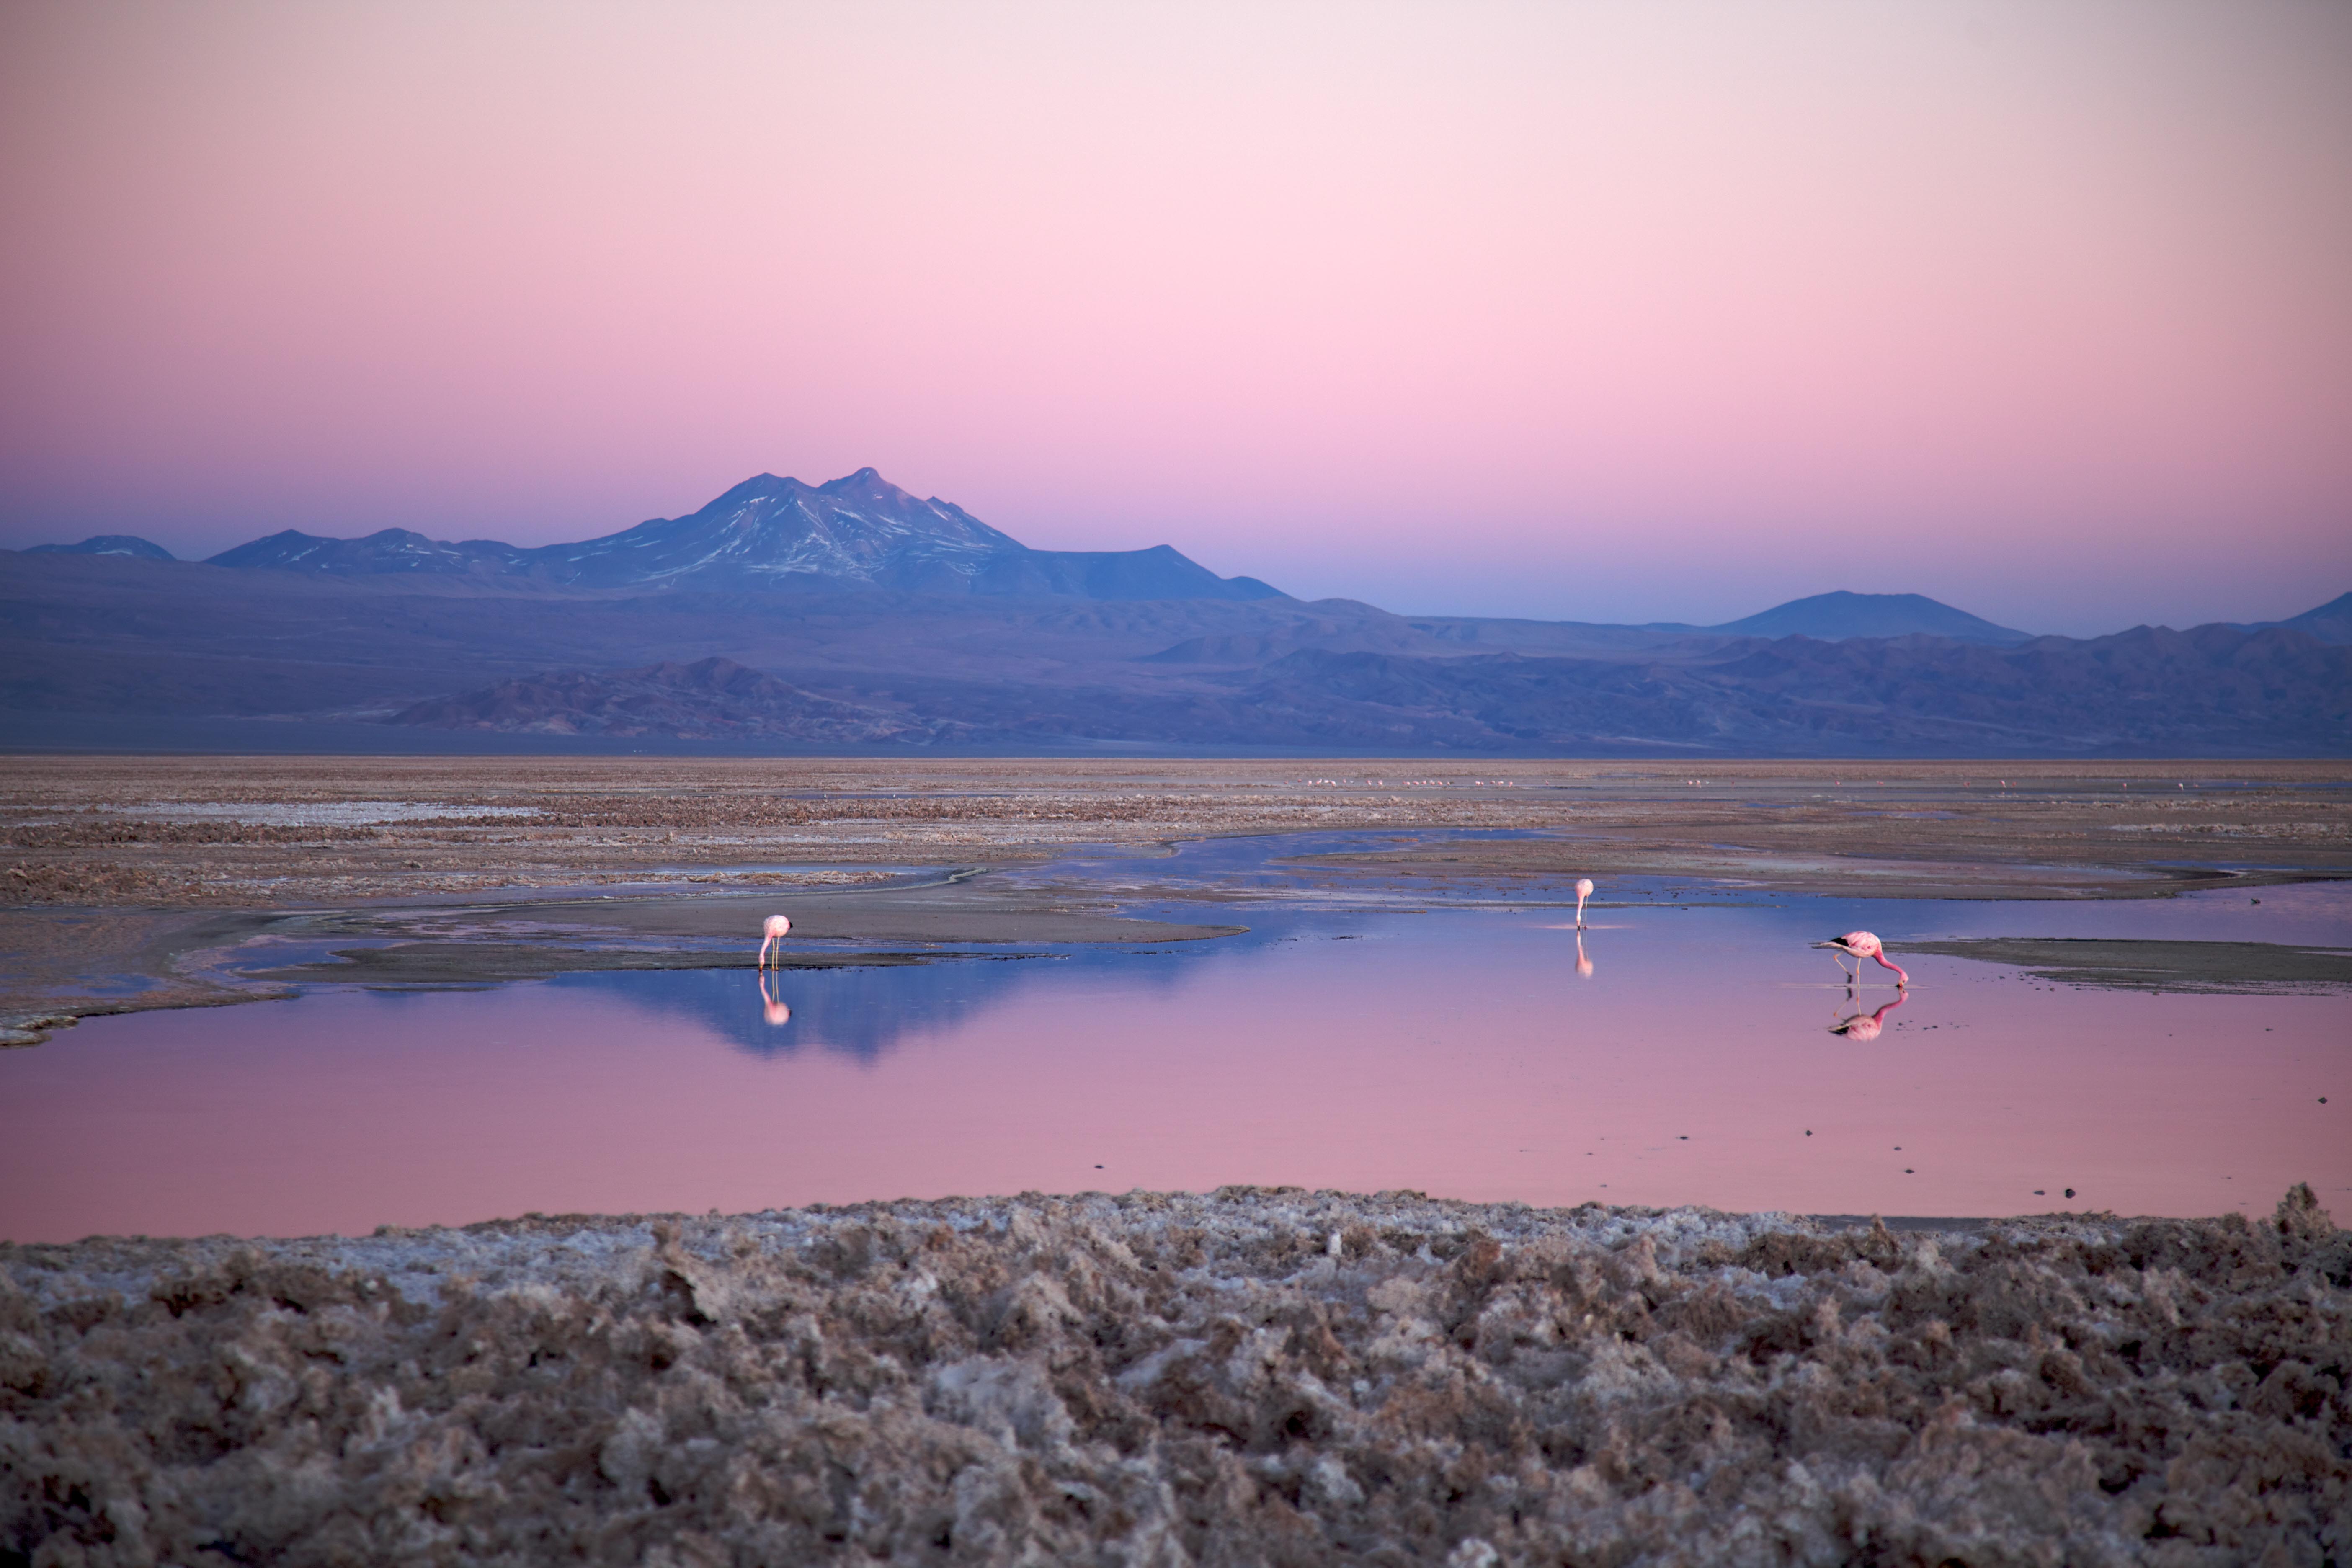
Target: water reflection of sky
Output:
[
  {"x": 1738, "y": 945},
  {"x": 1346, "y": 1042}
]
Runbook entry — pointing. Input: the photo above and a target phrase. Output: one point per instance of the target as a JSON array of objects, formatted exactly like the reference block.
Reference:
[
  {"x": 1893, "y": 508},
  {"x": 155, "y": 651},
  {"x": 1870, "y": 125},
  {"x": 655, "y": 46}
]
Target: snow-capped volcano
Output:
[
  {"x": 858, "y": 531},
  {"x": 860, "y": 527}
]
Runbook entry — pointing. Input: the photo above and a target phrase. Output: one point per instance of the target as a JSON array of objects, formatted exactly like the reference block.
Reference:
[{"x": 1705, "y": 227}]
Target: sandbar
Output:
[{"x": 2204, "y": 967}]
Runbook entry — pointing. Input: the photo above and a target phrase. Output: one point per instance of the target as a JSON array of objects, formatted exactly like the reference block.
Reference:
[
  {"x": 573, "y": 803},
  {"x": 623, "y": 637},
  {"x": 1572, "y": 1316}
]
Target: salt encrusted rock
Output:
[{"x": 1167, "y": 1380}]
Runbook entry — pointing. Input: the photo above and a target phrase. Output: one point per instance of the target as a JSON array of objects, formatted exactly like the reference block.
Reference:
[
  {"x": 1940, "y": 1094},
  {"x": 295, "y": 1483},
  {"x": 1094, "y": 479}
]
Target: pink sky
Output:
[{"x": 1600, "y": 311}]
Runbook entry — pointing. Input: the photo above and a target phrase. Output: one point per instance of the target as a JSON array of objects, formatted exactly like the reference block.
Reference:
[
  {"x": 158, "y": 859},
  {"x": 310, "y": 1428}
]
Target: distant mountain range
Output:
[
  {"x": 770, "y": 532},
  {"x": 2148, "y": 692},
  {"x": 108, "y": 544},
  {"x": 711, "y": 698},
  {"x": 788, "y": 616}
]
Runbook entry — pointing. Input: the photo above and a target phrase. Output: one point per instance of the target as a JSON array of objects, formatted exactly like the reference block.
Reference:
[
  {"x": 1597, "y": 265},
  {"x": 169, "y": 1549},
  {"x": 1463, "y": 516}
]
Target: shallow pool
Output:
[{"x": 1683, "y": 1050}]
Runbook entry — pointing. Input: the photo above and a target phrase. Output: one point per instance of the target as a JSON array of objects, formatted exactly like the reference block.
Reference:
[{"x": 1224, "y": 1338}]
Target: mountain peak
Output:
[
  {"x": 128, "y": 544},
  {"x": 774, "y": 531},
  {"x": 388, "y": 549},
  {"x": 1843, "y": 614},
  {"x": 867, "y": 484},
  {"x": 2330, "y": 622}
]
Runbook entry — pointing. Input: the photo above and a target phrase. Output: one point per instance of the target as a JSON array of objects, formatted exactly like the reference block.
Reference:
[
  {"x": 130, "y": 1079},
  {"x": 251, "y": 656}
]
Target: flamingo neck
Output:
[{"x": 1901, "y": 976}]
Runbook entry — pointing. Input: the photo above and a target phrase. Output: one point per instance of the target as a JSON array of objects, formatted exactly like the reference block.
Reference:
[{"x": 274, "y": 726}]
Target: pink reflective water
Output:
[{"x": 1460, "y": 1054}]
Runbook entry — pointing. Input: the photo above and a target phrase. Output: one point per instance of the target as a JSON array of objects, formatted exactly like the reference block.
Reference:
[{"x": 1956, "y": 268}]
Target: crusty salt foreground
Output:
[{"x": 1258, "y": 1376}]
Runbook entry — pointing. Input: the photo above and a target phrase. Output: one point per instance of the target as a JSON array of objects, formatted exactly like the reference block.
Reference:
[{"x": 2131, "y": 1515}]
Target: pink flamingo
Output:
[
  {"x": 1859, "y": 945},
  {"x": 1861, "y": 1027},
  {"x": 1583, "y": 891},
  {"x": 776, "y": 928}
]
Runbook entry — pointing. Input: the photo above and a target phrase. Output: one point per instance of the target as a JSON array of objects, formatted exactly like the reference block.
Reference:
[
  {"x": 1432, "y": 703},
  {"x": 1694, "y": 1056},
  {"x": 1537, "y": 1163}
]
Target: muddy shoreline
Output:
[
  {"x": 174, "y": 954},
  {"x": 1260, "y": 1375},
  {"x": 2187, "y": 967},
  {"x": 127, "y": 876}
]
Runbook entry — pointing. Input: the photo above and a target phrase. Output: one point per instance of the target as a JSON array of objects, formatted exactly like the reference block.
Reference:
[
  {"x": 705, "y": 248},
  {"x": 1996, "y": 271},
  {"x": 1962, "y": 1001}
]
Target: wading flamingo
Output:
[
  {"x": 1866, "y": 1025},
  {"x": 1583, "y": 891},
  {"x": 778, "y": 927},
  {"x": 1859, "y": 945}
]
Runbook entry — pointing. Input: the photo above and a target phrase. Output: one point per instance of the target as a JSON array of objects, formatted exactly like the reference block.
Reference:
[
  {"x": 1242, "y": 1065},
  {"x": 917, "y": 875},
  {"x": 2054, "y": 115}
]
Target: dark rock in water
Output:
[{"x": 1253, "y": 1376}]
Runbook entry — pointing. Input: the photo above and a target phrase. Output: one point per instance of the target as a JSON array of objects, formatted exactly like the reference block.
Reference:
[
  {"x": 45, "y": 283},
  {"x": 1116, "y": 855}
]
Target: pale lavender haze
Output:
[{"x": 1602, "y": 311}]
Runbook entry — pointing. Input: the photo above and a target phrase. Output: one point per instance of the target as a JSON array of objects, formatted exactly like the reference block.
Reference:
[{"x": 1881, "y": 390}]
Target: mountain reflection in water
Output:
[
  {"x": 1472, "y": 1052},
  {"x": 861, "y": 1012}
]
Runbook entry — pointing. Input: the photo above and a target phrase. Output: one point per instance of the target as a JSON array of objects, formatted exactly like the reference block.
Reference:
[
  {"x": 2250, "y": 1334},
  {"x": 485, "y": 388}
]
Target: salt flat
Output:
[
  {"x": 1252, "y": 1375},
  {"x": 104, "y": 903}
]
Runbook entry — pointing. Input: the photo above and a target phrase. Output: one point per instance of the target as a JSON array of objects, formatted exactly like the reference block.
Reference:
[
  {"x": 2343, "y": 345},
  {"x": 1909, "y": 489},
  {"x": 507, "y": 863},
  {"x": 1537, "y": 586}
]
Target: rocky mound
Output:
[{"x": 1255, "y": 1376}]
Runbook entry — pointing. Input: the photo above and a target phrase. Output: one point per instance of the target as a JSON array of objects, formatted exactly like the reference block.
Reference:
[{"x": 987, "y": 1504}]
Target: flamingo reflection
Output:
[
  {"x": 772, "y": 1009},
  {"x": 1866, "y": 1025},
  {"x": 1583, "y": 965}
]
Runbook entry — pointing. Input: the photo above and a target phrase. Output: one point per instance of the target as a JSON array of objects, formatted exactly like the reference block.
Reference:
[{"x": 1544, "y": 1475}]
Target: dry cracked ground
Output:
[{"x": 1256, "y": 1376}]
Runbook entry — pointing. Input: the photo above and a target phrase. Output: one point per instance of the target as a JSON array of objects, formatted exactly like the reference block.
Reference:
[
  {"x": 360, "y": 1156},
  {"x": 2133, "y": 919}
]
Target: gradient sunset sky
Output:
[{"x": 1597, "y": 311}]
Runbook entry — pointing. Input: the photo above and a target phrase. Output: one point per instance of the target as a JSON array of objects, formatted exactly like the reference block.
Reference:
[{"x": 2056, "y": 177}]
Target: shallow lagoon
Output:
[{"x": 1371, "y": 1037}]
